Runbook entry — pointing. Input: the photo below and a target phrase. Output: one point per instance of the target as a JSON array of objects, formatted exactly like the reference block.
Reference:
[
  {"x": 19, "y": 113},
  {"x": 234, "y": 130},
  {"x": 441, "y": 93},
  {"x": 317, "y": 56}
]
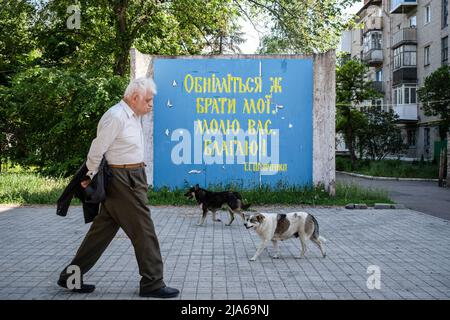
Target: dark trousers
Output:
[{"x": 125, "y": 207}]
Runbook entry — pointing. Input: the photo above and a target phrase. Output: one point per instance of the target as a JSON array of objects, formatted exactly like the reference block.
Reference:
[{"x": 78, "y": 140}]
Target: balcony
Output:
[
  {"x": 405, "y": 75},
  {"x": 403, "y": 6},
  {"x": 378, "y": 86},
  {"x": 405, "y": 65},
  {"x": 373, "y": 23},
  {"x": 372, "y": 47},
  {"x": 406, "y": 112},
  {"x": 404, "y": 36},
  {"x": 373, "y": 57}
]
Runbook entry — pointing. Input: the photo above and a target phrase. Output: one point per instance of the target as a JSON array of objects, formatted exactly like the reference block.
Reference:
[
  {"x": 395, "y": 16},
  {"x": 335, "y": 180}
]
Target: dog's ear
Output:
[
  {"x": 259, "y": 217},
  {"x": 197, "y": 187}
]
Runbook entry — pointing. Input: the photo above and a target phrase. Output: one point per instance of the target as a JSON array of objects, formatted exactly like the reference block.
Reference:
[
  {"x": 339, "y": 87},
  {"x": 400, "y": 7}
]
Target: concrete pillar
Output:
[
  {"x": 142, "y": 66},
  {"x": 324, "y": 111}
]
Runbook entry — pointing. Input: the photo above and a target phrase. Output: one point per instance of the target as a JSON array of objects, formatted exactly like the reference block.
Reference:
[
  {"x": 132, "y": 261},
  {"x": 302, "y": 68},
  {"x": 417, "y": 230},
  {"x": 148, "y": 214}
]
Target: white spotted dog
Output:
[{"x": 274, "y": 227}]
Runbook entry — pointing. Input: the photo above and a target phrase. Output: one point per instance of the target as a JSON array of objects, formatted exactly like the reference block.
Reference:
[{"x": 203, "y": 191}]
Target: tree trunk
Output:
[
  {"x": 120, "y": 65},
  {"x": 351, "y": 148}
]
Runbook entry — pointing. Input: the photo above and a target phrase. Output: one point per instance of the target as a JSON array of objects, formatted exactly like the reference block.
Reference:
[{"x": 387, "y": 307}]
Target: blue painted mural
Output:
[{"x": 245, "y": 122}]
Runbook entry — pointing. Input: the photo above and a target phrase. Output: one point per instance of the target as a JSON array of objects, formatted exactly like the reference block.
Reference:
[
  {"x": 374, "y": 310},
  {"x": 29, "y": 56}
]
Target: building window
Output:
[
  {"x": 379, "y": 75},
  {"x": 444, "y": 53},
  {"x": 444, "y": 13},
  {"x": 398, "y": 96},
  {"x": 412, "y": 138},
  {"x": 426, "y": 55},
  {"x": 412, "y": 22},
  {"x": 367, "y": 105},
  {"x": 405, "y": 56},
  {"x": 377, "y": 103},
  {"x": 427, "y": 14},
  {"x": 372, "y": 41},
  {"x": 412, "y": 96},
  {"x": 405, "y": 94}
]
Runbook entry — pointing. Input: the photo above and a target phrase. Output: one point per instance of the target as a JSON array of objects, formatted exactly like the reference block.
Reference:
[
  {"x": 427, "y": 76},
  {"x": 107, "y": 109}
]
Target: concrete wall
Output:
[
  {"x": 323, "y": 110},
  {"x": 141, "y": 66}
]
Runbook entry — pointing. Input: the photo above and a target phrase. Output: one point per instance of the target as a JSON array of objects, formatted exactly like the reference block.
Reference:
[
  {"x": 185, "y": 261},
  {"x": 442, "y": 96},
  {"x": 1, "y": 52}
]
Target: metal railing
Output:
[
  {"x": 373, "y": 56},
  {"x": 378, "y": 86},
  {"x": 405, "y": 35},
  {"x": 406, "y": 111},
  {"x": 397, "y": 5}
]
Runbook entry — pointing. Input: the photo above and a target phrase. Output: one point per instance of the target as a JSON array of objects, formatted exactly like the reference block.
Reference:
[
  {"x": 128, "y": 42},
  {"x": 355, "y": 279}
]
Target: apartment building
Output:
[{"x": 403, "y": 41}]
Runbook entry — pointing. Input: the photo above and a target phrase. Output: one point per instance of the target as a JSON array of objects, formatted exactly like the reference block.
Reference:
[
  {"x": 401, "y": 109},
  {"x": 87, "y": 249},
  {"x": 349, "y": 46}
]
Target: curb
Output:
[
  {"x": 376, "y": 206},
  {"x": 386, "y": 178}
]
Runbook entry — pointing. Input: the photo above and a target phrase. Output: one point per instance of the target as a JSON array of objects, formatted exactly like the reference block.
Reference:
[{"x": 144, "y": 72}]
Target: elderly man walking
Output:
[{"x": 121, "y": 140}]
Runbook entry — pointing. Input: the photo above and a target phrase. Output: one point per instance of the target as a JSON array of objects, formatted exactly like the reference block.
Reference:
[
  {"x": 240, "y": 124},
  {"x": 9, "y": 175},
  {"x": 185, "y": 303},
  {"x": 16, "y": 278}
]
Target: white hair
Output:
[{"x": 140, "y": 85}]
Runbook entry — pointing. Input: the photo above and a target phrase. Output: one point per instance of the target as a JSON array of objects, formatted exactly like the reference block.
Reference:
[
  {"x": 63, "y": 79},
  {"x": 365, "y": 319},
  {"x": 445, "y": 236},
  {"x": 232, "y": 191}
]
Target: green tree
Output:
[
  {"x": 305, "y": 27},
  {"x": 16, "y": 54},
  {"x": 226, "y": 40},
  {"x": 16, "y": 38},
  {"x": 352, "y": 88},
  {"x": 380, "y": 136},
  {"x": 56, "y": 120},
  {"x": 435, "y": 98},
  {"x": 109, "y": 28}
]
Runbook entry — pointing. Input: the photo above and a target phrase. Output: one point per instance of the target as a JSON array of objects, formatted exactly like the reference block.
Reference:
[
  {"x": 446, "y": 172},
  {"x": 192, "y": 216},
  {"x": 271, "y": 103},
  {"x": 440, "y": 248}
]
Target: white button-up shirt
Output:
[{"x": 119, "y": 137}]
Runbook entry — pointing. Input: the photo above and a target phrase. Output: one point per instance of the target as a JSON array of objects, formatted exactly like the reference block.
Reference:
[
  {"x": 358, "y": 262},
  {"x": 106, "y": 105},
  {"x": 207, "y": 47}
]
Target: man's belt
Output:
[{"x": 128, "y": 166}]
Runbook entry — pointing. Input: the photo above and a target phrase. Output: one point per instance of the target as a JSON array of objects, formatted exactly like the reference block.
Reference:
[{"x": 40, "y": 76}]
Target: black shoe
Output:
[
  {"x": 85, "y": 288},
  {"x": 164, "y": 292}
]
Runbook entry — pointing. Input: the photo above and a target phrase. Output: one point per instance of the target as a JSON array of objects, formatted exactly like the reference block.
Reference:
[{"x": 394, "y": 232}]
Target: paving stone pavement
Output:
[{"x": 411, "y": 249}]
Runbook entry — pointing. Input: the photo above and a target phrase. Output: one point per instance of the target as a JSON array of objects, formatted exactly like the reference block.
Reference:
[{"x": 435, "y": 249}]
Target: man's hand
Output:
[{"x": 85, "y": 182}]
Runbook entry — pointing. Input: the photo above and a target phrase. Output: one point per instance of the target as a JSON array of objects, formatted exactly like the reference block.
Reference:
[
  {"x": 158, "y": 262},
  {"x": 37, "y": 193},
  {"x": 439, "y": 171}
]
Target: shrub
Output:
[{"x": 53, "y": 116}]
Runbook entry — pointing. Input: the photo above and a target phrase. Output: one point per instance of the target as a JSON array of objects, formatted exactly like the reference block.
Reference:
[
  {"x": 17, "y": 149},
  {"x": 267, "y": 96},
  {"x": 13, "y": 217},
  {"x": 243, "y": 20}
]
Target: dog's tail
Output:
[
  {"x": 246, "y": 206},
  {"x": 315, "y": 234}
]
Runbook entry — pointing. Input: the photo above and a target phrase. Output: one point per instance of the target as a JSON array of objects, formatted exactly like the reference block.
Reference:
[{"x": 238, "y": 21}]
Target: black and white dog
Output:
[
  {"x": 213, "y": 201},
  {"x": 274, "y": 227}
]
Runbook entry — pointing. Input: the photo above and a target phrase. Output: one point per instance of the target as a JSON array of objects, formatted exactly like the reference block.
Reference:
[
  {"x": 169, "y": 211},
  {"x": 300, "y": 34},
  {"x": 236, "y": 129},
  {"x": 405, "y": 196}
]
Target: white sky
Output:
[{"x": 252, "y": 38}]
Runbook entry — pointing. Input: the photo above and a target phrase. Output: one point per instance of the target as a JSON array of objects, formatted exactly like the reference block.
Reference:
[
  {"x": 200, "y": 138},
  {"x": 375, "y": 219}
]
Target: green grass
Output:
[
  {"x": 390, "y": 168},
  {"x": 32, "y": 188}
]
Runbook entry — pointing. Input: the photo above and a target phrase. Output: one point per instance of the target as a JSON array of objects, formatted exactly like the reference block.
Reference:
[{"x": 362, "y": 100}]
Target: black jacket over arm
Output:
[{"x": 91, "y": 197}]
